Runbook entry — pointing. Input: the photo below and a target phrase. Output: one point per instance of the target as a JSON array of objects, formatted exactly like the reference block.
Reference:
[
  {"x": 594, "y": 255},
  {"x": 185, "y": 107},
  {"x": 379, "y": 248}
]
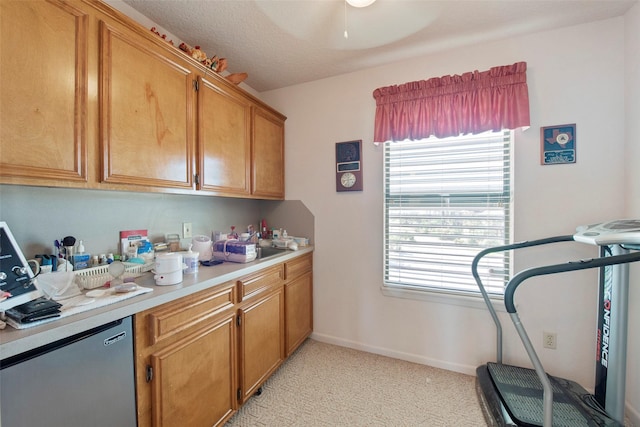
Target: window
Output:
[{"x": 446, "y": 200}]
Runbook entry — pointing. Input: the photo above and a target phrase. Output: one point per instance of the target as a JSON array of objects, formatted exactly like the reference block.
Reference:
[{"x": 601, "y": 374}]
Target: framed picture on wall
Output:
[
  {"x": 349, "y": 166},
  {"x": 558, "y": 144}
]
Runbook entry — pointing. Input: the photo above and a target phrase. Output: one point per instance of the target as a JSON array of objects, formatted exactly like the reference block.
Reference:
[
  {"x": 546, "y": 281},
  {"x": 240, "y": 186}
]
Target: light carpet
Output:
[{"x": 327, "y": 385}]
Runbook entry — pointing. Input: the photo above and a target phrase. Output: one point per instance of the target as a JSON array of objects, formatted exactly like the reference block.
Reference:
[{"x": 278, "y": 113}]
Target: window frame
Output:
[{"x": 439, "y": 293}]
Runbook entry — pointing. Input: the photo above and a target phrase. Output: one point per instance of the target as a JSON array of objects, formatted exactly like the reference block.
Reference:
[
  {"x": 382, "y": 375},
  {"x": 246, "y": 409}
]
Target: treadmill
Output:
[{"x": 519, "y": 396}]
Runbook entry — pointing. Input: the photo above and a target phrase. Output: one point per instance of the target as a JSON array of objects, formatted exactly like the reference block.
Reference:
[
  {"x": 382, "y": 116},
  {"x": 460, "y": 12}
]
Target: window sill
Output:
[{"x": 462, "y": 300}]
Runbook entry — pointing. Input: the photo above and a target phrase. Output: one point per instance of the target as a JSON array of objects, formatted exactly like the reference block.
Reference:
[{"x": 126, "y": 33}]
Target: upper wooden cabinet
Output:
[
  {"x": 109, "y": 105},
  {"x": 267, "y": 154},
  {"x": 146, "y": 113},
  {"x": 44, "y": 90},
  {"x": 240, "y": 144},
  {"x": 224, "y": 140}
]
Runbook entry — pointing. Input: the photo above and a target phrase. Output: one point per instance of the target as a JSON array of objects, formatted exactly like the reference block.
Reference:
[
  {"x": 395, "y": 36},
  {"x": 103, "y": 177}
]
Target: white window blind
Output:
[{"x": 446, "y": 200}]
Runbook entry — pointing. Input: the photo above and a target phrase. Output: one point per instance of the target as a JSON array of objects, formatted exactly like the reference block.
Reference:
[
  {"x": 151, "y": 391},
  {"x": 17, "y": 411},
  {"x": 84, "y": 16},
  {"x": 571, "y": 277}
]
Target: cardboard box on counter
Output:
[
  {"x": 132, "y": 237},
  {"x": 234, "y": 250}
]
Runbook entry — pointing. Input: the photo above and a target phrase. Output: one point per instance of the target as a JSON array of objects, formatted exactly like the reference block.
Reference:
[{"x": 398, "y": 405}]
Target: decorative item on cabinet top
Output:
[{"x": 216, "y": 64}]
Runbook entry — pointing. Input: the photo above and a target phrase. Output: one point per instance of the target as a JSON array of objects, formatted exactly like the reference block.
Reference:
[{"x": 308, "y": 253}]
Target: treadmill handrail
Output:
[
  {"x": 485, "y": 295},
  {"x": 516, "y": 280},
  {"x": 547, "y": 394}
]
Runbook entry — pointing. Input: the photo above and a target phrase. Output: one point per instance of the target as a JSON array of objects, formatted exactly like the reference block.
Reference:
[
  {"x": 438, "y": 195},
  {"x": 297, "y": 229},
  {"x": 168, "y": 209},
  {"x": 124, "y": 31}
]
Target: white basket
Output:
[
  {"x": 301, "y": 241},
  {"x": 94, "y": 277},
  {"x": 282, "y": 243}
]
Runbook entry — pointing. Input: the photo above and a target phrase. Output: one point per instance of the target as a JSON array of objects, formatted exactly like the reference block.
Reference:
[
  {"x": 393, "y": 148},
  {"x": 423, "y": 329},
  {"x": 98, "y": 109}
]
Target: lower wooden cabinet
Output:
[
  {"x": 261, "y": 333},
  {"x": 193, "y": 380},
  {"x": 199, "y": 358},
  {"x": 186, "y": 360},
  {"x": 298, "y": 303},
  {"x": 298, "y": 296}
]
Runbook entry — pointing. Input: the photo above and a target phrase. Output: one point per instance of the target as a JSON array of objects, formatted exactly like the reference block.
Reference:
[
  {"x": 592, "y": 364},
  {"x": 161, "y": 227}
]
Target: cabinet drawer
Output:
[
  {"x": 173, "y": 318},
  {"x": 260, "y": 281},
  {"x": 298, "y": 266}
]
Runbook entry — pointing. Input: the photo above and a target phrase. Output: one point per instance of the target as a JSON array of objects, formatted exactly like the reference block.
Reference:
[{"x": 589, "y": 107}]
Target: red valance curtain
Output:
[{"x": 452, "y": 105}]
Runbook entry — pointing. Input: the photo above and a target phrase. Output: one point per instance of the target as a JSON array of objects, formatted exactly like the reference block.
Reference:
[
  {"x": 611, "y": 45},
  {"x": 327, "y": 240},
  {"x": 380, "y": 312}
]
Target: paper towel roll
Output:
[{"x": 202, "y": 245}]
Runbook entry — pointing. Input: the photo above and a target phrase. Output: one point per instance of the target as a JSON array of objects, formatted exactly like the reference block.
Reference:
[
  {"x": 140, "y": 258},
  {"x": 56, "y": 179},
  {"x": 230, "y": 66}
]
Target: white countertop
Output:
[{"x": 17, "y": 341}]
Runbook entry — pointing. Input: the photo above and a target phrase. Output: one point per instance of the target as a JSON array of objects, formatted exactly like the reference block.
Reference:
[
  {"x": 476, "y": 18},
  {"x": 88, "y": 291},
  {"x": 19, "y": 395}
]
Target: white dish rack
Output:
[{"x": 95, "y": 277}]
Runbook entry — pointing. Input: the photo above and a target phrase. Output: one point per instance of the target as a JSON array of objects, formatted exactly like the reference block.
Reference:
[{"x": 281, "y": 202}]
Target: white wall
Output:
[
  {"x": 575, "y": 75},
  {"x": 632, "y": 208}
]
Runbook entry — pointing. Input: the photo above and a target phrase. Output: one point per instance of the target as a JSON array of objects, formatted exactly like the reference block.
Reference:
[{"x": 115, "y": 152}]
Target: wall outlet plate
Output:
[
  {"x": 187, "y": 231},
  {"x": 549, "y": 340}
]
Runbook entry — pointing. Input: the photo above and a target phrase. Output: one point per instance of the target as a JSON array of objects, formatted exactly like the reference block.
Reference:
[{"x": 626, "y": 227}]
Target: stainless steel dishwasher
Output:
[{"x": 83, "y": 380}]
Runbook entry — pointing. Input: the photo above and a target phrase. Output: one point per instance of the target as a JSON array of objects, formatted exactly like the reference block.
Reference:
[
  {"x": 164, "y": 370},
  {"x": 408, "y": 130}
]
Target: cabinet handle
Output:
[{"x": 149, "y": 373}]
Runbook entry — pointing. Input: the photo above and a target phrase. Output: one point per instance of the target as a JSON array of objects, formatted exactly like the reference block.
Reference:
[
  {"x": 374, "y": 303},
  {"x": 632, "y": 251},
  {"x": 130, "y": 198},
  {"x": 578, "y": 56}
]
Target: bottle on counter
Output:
[
  {"x": 80, "y": 259},
  {"x": 190, "y": 259}
]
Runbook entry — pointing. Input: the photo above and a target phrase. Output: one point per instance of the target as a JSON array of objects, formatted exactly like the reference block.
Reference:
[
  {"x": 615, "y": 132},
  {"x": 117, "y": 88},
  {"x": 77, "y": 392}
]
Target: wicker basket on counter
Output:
[{"x": 95, "y": 277}]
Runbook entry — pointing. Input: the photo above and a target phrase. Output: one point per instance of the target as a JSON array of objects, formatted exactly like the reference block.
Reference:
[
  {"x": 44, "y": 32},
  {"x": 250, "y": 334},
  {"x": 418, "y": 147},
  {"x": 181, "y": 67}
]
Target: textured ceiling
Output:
[{"x": 286, "y": 42}]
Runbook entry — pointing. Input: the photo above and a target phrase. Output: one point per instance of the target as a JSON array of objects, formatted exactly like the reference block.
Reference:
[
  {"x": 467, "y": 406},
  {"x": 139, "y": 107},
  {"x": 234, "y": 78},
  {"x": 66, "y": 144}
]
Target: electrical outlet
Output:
[
  {"x": 549, "y": 340},
  {"x": 186, "y": 230}
]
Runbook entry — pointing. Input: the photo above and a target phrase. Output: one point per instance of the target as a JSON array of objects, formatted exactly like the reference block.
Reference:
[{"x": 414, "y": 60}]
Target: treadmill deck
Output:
[{"x": 512, "y": 396}]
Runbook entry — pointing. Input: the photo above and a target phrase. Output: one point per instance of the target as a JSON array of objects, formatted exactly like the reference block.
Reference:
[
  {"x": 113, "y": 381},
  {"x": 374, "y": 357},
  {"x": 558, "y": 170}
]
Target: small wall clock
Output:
[{"x": 349, "y": 166}]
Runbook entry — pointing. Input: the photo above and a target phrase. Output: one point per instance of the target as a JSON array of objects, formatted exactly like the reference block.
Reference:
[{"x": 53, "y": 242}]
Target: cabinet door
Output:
[
  {"x": 194, "y": 379},
  {"x": 43, "y": 94},
  {"x": 267, "y": 155},
  {"x": 261, "y": 341},
  {"x": 224, "y": 140},
  {"x": 298, "y": 295},
  {"x": 146, "y": 113}
]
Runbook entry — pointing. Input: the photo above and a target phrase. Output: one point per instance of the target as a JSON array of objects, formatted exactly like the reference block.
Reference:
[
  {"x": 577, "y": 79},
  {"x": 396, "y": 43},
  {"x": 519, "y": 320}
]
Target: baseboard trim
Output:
[
  {"x": 409, "y": 357},
  {"x": 632, "y": 414}
]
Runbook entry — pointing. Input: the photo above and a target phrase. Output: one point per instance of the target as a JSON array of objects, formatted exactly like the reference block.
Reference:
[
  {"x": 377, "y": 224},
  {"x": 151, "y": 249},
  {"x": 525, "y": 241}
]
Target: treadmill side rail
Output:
[{"x": 485, "y": 295}]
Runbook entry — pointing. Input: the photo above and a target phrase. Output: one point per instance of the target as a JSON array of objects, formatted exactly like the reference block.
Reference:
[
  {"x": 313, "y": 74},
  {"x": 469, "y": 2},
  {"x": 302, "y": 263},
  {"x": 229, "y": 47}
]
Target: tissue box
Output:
[
  {"x": 81, "y": 261},
  {"x": 234, "y": 250}
]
